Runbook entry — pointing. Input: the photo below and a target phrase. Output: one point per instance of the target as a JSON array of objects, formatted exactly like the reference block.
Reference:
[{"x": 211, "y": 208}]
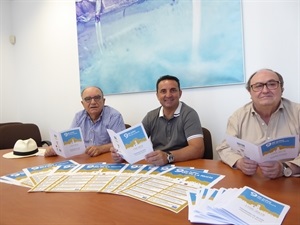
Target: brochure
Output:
[
  {"x": 19, "y": 178},
  {"x": 196, "y": 178},
  {"x": 162, "y": 186},
  {"x": 234, "y": 206},
  {"x": 248, "y": 206},
  {"x": 273, "y": 150},
  {"x": 68, "y": 143},
  {"x": 53, "y": 177},
  {"x": 37, "y": 173},
  {"x": 132, "y": 144}
]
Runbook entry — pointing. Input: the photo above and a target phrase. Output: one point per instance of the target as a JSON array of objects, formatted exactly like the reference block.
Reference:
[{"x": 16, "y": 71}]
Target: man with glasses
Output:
[
  {"x": 93, "y": 120},
  {"x": 268, "y": 116}
]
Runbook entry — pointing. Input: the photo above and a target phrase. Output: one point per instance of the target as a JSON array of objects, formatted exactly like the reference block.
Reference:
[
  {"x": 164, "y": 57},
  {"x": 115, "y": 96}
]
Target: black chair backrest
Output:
[
  {"x": 208, "y": 153},
  {"x": 9, "y": 123},
  {"x": 10, "y": 133}
]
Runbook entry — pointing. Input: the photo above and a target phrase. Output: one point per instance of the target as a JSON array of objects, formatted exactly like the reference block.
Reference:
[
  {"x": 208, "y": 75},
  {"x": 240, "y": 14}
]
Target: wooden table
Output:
[{"x": 17, "y": 206}]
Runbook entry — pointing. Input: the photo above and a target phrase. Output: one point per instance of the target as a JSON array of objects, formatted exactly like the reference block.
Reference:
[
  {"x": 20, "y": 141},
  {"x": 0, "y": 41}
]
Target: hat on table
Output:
[{"x": 23, "y": 148}]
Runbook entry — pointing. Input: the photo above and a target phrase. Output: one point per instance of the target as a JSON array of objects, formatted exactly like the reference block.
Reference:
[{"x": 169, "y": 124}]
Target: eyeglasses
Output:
[
  {"x": 89, "y": 99},
  {"x": 271, "y": 85}
]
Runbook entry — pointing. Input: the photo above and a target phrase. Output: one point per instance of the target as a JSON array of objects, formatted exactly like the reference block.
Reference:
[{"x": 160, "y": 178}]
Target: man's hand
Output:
[
  {"x": 272, "y": 169},
  {"x": 157, "y": 158},
  {"x": 115, "y": 155},
  {"x": 93, "y": 151},
  {"x": 96, "y": 150},
  {"x": 49, "y": 152},
  {"x": 247, "y": 166}
]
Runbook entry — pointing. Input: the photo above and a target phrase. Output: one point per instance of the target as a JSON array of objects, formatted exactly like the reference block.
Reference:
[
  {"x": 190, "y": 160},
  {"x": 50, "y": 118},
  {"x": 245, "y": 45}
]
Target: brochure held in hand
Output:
[
  {"x": 272, "y": 150},
  {"x": 132, "y": 144},
  {"x": 67, "y": 143}
]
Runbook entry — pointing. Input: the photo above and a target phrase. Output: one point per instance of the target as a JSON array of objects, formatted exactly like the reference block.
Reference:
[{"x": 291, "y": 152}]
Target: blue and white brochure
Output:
[
  {"x": 132, "y": 144},
  {"x": 67, "y": 143},
  {"x": 243, "y": 206},
  {"x": 273, "y": 150},
  {"x": 248, "y": 206}
]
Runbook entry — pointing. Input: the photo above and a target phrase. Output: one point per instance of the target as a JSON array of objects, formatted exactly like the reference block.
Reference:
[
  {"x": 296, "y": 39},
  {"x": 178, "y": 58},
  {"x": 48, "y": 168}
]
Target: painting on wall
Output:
[{"x": 126, "y": 45}]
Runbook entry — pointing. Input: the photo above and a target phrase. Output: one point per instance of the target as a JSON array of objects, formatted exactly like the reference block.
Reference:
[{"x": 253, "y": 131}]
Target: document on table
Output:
[
  {"x": 193, "y": 177},
  {"x": 87, "y": 178},
  {"x": 53, "y": 177},
  {"x": 19, "y": 178},
  {"x": 128, "y": 176},
  {"x": 273, "y": 150},
  {"x": 29, "y": 177},
  {"x": 132, "y": 144},
  {"x": 166, "y": 186},
  {"x": 234, "y": 206},
  {"x": 198, "y": 203},
  {"x": 37, "y": 173},
  {"x": 162, "y": 186},
  {"x": 160, "y": 192}
]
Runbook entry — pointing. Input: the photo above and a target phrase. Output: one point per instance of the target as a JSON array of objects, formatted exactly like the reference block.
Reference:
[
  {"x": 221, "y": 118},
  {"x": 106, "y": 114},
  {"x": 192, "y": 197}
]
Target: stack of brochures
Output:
[{"x": 234, "y": 206}]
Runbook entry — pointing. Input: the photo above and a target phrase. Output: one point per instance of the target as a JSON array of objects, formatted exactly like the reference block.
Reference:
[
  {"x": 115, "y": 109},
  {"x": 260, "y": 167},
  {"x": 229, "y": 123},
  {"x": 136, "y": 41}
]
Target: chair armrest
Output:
[{"x": 46, "y": 143}]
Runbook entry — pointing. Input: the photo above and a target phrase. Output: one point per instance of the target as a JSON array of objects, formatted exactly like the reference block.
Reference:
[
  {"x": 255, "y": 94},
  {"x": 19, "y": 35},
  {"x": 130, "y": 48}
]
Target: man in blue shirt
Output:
[{"x": 93, "y": 120}]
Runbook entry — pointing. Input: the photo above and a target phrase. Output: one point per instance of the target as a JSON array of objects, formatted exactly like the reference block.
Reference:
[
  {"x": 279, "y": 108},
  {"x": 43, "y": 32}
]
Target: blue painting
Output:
[{"x": 126, "y": 45}]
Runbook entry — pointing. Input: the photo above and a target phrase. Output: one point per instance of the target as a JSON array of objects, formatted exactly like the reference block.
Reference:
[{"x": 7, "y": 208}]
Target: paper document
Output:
[
  {"x": 273, "y": 150},
  {"x": 132, "y": 144},
  {"x": 67, "y": 143},
  {"x": 243, "y": 206}
]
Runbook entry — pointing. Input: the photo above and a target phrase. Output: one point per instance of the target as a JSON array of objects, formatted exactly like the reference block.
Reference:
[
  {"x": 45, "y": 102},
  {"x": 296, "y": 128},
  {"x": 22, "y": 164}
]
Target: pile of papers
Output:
[
  {"x": 169, "y": 187},
  {"x": 163, "y": 186},
  {"x": 234, "y": 206}
]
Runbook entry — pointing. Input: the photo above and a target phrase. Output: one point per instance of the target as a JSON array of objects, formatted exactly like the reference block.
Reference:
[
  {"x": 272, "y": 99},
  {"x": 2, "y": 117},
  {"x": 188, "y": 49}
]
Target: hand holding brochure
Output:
[
  {"x": 67, "y": 143},
  {"x": 273, "y": 150},
  {"x": 132, "y": 144}
]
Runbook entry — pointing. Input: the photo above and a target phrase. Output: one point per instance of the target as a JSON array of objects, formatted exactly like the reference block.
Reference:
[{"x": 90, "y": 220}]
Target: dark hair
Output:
[
  {"x": 167, "y": 77},
  {"x": 279, "y": 77}
]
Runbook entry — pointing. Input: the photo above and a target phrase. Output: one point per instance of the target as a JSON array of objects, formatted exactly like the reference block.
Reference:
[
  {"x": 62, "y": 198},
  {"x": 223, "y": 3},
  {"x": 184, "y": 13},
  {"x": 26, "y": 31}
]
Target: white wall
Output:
[
  {"x": 40, "y": 78},
  {"x": 6, "y": 64}
]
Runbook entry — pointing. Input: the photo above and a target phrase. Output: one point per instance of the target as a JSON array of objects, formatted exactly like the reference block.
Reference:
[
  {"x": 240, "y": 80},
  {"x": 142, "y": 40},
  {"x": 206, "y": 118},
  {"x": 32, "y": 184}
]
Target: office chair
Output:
[
  {"x": 12, "y": 132},
  {"x": 9, "y": 123},
  {"x": 208, "y": 153}
]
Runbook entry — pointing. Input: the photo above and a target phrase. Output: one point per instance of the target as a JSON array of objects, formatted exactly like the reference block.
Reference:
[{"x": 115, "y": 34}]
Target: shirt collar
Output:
[
  {"x": 253, "y": 112},
  {"x": 176, "y": 113},
  {"x": 99, "y": 118}
]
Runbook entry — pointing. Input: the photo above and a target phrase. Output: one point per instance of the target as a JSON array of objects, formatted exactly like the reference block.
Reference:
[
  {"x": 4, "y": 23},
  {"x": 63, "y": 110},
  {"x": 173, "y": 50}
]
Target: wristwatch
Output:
[
  {"x": 287, "y": 171},
  {"x": 170, "y": 157}
]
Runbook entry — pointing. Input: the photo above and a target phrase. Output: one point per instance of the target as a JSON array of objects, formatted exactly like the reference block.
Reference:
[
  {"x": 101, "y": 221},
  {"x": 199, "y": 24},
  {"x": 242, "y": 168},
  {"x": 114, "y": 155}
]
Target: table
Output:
[{"x": 17, "y": 206}]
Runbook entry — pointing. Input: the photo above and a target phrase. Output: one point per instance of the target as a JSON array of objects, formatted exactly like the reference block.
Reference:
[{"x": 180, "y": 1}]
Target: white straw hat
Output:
[{"x": 23, "y": 148}]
